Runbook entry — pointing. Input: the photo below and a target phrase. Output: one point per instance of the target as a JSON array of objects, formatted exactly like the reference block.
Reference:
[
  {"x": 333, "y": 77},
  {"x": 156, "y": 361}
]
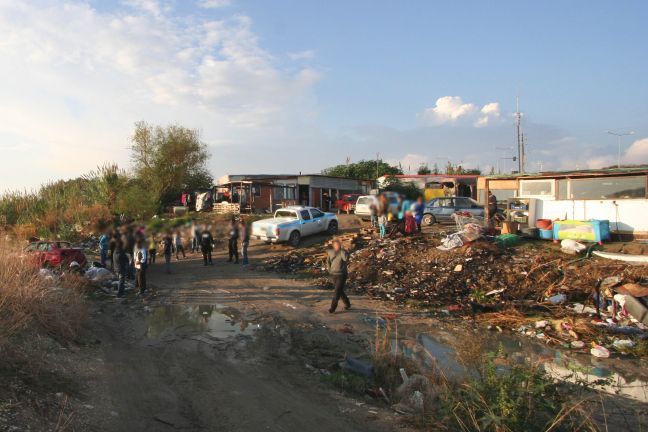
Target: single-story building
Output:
[
  {"x": 267, "y": 192},
  {"x": 619, "y": 195},
  {"x": 454, "y": 184}
]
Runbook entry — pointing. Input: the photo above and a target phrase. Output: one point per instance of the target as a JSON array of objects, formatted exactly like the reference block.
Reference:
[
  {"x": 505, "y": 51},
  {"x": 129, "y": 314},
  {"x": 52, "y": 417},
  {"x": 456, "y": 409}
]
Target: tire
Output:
[
  {"x": 294, "y": 238},
  {"x": 429, "y": 219},
  {"x": 332, "y": 228}
]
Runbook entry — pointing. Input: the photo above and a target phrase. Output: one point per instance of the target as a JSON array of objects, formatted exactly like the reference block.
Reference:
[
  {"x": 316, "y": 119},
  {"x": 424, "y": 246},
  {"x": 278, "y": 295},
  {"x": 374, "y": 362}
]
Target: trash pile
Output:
[{"x": 301, "y": 260}]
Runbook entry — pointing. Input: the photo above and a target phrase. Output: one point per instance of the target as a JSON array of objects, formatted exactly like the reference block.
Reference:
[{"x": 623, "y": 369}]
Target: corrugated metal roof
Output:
[{"x": 643, "y": 169}]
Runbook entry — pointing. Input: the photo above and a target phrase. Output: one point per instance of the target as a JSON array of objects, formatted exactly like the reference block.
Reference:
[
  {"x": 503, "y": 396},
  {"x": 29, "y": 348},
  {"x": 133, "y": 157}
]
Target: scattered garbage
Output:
[
  {"x": 572, "y": 246},
  {"x": 99, "y": 274},
  {"x": 557, "y": 299},
  {"x": 356, "y": 366},
  {"x": 600, "y": 351}
]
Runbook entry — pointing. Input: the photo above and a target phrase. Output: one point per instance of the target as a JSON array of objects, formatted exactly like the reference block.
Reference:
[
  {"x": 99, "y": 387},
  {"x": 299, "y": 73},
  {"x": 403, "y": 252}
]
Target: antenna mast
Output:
[{"x": 520, "y": 135}]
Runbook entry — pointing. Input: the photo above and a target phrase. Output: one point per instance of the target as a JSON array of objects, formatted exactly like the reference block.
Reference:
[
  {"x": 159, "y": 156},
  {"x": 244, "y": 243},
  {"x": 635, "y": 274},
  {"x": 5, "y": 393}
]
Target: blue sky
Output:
[{"x": 287, "y": 86}]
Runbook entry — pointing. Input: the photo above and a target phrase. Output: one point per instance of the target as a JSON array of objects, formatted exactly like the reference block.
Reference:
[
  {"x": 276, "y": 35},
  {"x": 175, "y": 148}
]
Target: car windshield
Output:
[
  {"x": 286, "y": 214},
  {"x": 364, "y": 200},
  {"x": 63, "y": 245}
]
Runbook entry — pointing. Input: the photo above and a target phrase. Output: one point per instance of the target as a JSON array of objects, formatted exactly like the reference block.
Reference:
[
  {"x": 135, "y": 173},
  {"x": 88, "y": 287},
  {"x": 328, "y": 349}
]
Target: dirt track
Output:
[{"x": 164, "y": 365}]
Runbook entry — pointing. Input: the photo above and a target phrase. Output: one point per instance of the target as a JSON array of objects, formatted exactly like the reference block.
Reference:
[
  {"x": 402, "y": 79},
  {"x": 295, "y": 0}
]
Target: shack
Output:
[
  {"x": 257, "y": 193},
  {"x": 617, "y": 194}
]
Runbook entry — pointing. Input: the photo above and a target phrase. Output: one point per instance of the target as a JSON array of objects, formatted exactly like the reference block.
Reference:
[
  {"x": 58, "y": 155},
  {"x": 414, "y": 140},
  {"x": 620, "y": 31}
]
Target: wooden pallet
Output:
[{"x": 227, "y": 208}]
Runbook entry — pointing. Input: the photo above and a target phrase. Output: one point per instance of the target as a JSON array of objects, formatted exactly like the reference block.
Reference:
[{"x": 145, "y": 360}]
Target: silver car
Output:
[{"x": 440, "y": 210}]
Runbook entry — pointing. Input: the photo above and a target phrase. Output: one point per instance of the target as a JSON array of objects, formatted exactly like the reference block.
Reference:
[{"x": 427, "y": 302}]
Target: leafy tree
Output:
[
  {"x": 364, "y": 170},
  {"x": 435, "y": 169},
  {"x": 168, "y": 160},
  {"x": 424, "y": 169},
  {"x": 410, "y": 190}
]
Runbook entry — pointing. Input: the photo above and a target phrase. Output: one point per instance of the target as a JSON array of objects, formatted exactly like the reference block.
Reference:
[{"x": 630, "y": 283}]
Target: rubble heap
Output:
[{"x": 412, "y": 268}]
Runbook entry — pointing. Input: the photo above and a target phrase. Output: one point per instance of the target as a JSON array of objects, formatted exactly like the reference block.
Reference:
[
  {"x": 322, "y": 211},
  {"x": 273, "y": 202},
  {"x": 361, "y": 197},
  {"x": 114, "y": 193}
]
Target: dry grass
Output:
[{"x": 30, "y": 302}]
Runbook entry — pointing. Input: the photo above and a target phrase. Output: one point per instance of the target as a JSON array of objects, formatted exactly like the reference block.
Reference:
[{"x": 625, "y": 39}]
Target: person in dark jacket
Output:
[
  {"x": 206, "y": 244},
  {"x": 167, "y": 248},
  {"x": 121, "y": 265},
  {"x": 233, "y": 241},
  {"x": 336, "y": 263},
  {"x": 141, "y": 257},
  {"x": 244, "y": 232}
]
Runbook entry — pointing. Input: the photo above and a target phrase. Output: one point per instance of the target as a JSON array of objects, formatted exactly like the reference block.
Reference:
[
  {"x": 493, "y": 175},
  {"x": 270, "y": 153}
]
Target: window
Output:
[
  {"x": 442, "y": 202},
  {"x": 316, "y": 213},
  {"x": 608, "y": 188},
  {"x": 563, "y": 189},
  {"x": 283, "y": 192},
  {"x": 305, "y": 215},
  {"x": 286, "y": 214},
  {"x": 537, "y": 188}
]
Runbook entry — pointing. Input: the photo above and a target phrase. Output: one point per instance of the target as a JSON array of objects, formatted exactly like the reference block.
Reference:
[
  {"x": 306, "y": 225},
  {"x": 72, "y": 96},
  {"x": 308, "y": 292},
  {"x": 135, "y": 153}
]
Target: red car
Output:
[
  {"x": 55, "y": 254},
  {"x": 347, "y": 203}
]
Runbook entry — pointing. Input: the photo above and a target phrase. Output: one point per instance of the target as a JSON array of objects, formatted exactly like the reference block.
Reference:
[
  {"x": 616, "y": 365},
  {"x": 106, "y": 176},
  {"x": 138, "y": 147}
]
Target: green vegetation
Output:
[
  {"x": 167, "y": 161},
  {"x": 363, "y": 170}
]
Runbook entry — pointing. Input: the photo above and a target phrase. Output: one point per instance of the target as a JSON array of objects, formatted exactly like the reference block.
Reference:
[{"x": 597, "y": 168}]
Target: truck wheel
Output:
[
  {"x": 332, "y": 228},
  {"x": 294, "y": 238},
  {"x": 429, "y": 219}
]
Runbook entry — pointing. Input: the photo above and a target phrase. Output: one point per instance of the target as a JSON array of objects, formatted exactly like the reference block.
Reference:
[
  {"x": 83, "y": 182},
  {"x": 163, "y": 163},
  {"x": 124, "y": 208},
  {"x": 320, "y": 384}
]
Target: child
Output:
[
  {"x": 382, "y": 223},
  {"x": 410, "y": 223}
]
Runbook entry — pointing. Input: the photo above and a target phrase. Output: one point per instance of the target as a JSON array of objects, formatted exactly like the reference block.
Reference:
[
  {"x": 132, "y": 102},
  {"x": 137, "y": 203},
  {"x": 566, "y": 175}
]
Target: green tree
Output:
[
  {"x": 435, "y": 169},
  {"x": 168, "y": 160},
  {"x": 364, "y": 170},
  {"x": 424, "y": 169}
]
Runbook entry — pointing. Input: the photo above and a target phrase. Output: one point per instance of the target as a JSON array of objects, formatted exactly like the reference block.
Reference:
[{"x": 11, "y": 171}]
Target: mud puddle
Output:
[{"x": 214, "y": 321}]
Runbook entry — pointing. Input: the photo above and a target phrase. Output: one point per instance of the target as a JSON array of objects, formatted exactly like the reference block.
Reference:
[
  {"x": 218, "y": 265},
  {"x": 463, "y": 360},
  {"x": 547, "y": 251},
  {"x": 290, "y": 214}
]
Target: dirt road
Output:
[{"x": 223, "y": 348}]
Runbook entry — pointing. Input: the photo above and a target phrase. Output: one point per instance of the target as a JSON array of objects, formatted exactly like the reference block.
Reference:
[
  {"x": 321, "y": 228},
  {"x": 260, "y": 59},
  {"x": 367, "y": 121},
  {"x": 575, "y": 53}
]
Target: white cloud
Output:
[
  {"x": 214, "y": 4},
  {"x": 637, "y": 153},
  {"x": 302, "y": 55},
  {"x": 488, "y": 114},
  {"x": 76, "y": 79},
  {"x": 411, "y": 162},
  {"x": 453, "y": 110},
  {"x": 448, "y": 109}
]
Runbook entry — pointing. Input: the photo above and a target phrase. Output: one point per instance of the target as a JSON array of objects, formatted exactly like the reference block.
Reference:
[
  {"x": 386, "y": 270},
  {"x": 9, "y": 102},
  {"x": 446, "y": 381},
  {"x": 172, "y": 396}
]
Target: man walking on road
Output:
[
  {"x": 206, "y": 241},
  {"x": 336, "y": 263}
]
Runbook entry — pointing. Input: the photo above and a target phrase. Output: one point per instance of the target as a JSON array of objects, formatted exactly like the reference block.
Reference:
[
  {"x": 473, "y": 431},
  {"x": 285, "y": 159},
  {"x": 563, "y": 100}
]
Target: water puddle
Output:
[
  {"x": 617, "y": 376},
  {"x": 214, "y": 321}
]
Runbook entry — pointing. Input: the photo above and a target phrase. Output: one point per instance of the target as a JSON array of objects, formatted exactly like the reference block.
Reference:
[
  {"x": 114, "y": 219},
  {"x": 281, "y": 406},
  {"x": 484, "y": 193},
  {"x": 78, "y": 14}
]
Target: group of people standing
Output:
[
  {"x": 128, "y": 251},
  {"x": 404, "y": 217}
]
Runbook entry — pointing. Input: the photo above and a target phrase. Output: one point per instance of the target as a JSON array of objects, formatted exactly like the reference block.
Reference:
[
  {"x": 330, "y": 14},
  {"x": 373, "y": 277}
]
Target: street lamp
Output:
[{"x": 619, "y": 135}]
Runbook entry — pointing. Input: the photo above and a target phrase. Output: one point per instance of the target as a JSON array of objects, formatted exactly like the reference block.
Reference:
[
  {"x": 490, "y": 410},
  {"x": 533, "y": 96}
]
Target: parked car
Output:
[
  {"x": 292, "y": 223},
  {"x": 54, "y": 254},
  {"x": 363, "y": 204},
  {"x": 439, "y": 210},
  {"x": 347, "y": 203}
]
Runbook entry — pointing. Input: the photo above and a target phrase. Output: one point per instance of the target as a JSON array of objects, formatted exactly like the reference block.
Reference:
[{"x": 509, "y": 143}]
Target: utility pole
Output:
[
  {"x": 619, "y": 135},
  {"x": 520, "y": 136}
]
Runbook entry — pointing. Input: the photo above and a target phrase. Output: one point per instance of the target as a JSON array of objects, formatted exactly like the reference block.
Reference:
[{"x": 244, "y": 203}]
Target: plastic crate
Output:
[{"x": 592, "y": 230}]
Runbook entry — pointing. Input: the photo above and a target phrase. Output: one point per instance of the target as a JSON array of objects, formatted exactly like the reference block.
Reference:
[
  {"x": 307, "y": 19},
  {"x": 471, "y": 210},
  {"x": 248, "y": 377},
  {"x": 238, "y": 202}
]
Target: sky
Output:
[{"x": 289, "y": 86}]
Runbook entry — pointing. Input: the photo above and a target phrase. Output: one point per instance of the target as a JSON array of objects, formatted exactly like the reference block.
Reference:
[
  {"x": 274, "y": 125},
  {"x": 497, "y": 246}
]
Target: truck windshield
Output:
[{"x": 285, "y": 214}]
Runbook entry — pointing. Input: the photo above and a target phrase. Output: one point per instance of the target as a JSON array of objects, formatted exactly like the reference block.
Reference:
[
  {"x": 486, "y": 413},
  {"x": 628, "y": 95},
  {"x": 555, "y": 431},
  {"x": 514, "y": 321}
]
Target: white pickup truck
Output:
[{"x": 292, "y": 223}]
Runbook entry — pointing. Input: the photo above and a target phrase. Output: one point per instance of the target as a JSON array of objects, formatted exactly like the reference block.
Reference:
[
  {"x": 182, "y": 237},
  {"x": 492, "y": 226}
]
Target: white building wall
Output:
[{"x": 628, "y": 216}]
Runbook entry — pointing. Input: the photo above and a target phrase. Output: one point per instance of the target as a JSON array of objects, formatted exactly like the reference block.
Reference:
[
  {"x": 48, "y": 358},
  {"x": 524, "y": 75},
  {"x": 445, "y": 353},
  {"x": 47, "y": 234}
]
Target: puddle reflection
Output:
[{"x": 213, "y": 320}]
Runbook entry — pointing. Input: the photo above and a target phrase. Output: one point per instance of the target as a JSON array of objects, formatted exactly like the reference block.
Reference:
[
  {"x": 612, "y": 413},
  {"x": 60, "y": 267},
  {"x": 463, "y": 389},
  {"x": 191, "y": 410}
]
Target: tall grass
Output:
[
  {"x": 31, "y": 303},
  {"x": 68, "y": 207}
]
